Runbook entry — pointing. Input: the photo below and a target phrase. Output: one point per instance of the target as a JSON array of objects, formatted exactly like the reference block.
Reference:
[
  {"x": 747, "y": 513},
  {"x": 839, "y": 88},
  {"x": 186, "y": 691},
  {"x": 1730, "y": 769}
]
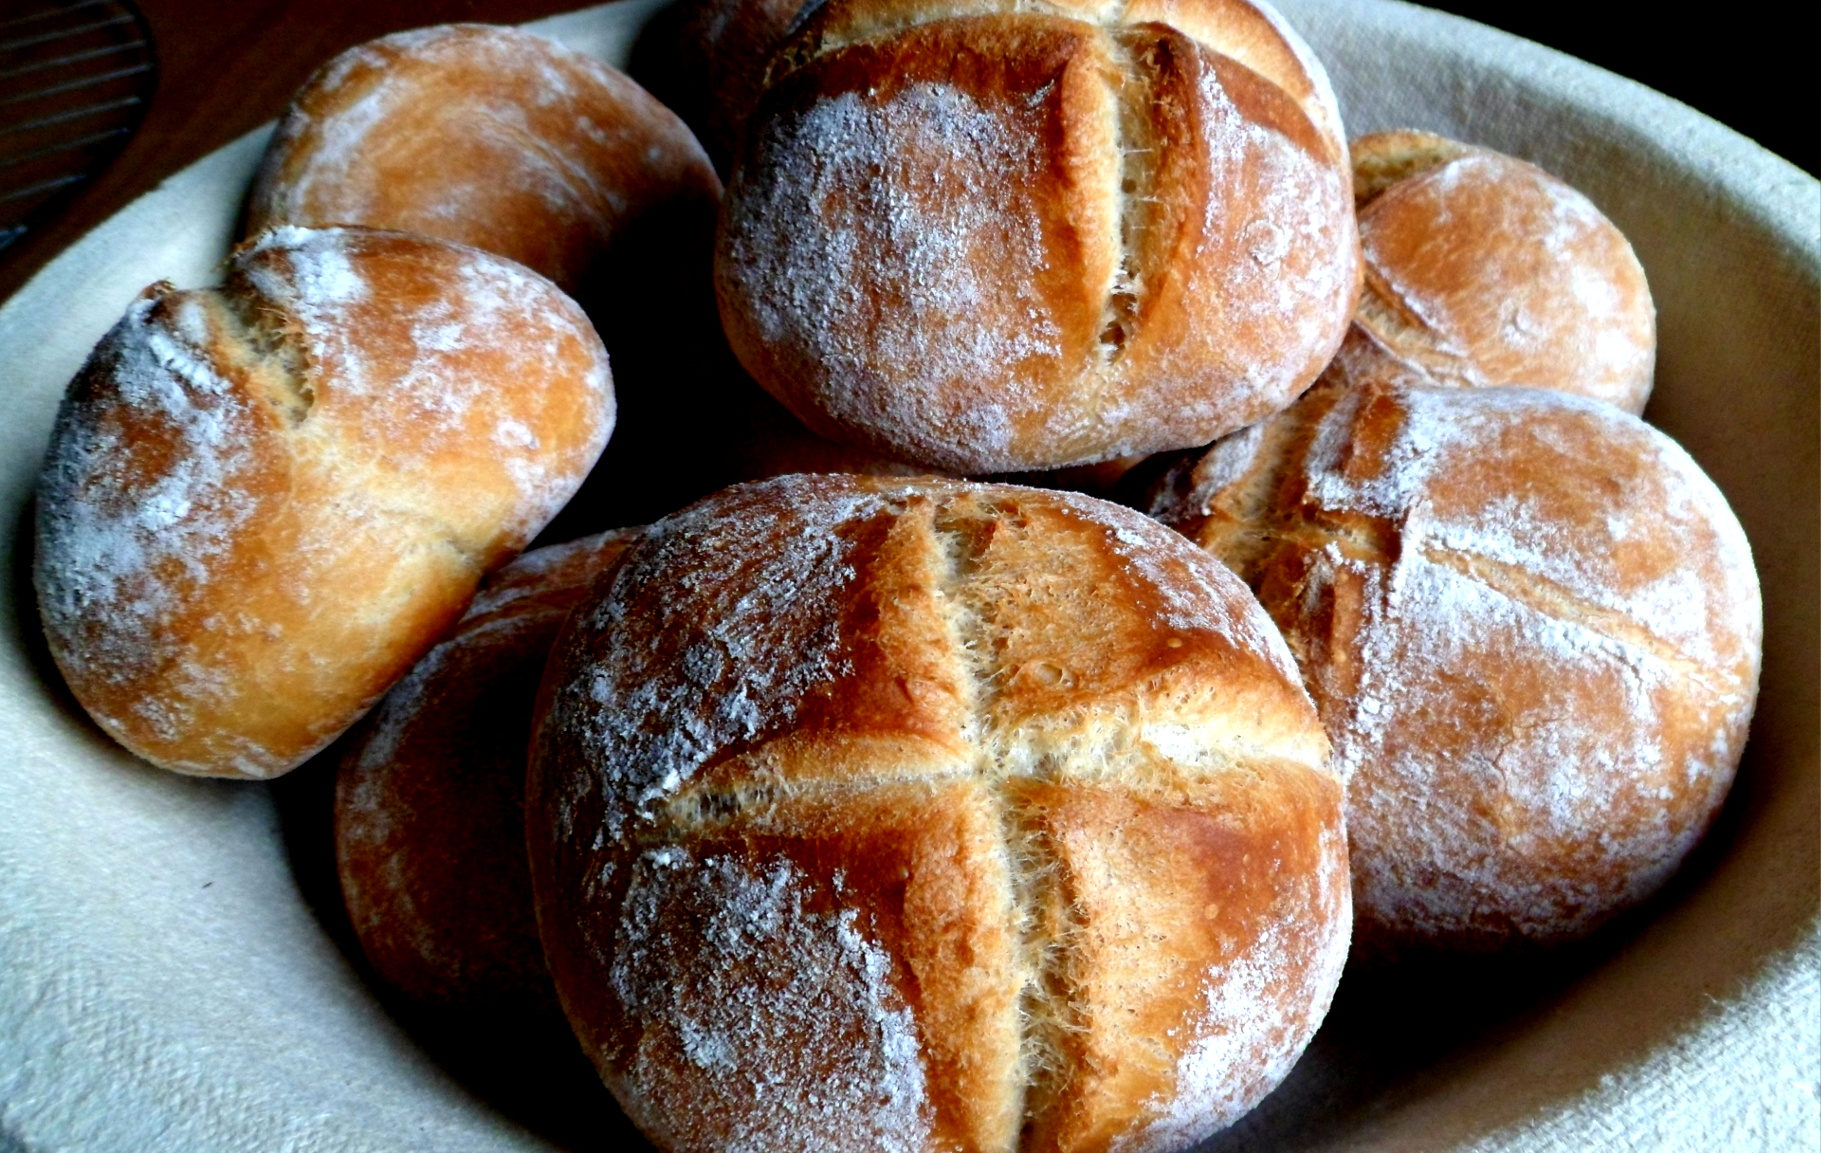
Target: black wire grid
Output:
[{"x": 75, "y": 79}]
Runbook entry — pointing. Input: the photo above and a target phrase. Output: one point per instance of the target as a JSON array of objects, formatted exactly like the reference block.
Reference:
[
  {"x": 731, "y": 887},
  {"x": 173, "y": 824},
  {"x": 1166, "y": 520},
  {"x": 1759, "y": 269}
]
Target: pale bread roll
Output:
[
  {"x": 984, "y": 238},
  {"x": 486, "y": 136},
  {"x": 501, "y": 139},
  {"x": 430, "y": 801},
  {"x": 263, "y": 502},
  {"x": 923, "y": 815},
  {"x": 1532, "y": 627},
  {"x": 1482, "y": 270}
]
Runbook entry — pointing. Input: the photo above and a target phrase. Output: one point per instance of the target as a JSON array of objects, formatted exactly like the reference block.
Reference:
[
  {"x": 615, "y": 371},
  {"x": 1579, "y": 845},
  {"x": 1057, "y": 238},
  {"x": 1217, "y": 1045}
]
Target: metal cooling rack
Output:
[{"x": 75, "y": 79}]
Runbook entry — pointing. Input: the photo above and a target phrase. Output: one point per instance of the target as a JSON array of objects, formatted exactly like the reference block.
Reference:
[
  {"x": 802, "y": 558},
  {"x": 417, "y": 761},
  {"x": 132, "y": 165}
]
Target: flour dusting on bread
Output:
[
  {"x": 769, "y": 664},
  {"x": 262, "y": 502},
  {"x": 791, "y": 1017}
]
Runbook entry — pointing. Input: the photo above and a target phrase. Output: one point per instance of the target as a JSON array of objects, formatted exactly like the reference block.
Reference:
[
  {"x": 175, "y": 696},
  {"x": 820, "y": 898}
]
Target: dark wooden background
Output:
[{"x": 226, "y": 66}]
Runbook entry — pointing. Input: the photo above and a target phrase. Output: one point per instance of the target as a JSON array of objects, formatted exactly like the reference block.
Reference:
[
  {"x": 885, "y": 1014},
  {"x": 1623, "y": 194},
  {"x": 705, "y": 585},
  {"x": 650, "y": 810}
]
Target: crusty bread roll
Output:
[
  {"x": 430, "y": 800},
  {"x": 922, "y": 815},
  {"x": 486, "y": 136},
  {"x": 991, "y": 238},
  {"x": 1483, "y": 270},
  {"x": 262, "y": 503},
  {"x": 1532, "y": 627},
  {"x": 501, "y": 139}
]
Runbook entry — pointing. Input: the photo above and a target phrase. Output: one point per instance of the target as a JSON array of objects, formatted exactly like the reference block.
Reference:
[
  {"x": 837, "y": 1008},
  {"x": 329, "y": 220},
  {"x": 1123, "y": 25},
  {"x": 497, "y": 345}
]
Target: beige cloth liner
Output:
[{"x": 141, "y": 1010}]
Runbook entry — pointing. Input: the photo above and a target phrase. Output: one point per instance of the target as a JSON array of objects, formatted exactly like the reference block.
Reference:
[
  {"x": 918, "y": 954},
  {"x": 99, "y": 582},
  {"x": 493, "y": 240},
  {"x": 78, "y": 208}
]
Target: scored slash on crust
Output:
[
  {"x": 1063, "y": 768},
  {"x": 1015, "y": 238}
]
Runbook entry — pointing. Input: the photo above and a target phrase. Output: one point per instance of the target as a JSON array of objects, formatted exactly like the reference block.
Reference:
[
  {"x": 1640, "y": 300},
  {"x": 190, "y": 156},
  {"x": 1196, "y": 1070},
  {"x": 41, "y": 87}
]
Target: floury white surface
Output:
[{"x": 163, "y": 987}]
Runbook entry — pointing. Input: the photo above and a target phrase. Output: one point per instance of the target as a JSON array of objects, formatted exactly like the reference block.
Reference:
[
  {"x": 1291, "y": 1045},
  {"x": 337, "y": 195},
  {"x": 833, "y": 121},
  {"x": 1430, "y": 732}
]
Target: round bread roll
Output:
[
  {"x": 263, "y": 502},
  {"x": 430, "y": 801},
  {"x": 1532, "y": 627},
  {"x": 996, "y": 239},
  {"x": 500, "y": 139},
  {"x": 1483, "y": 270},
  {"x": 485, "y": 136},
  {"x": 924, "y": 815}
]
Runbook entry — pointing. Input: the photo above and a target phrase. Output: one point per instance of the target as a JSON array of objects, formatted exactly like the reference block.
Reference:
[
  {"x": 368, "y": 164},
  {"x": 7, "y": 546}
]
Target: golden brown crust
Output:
[
  {"x": 1252, "y": 34},
  {"x": 1532, "y": 628},
  {"x": 848, "y": 797},
  {"x": 908, "y": 884},
  {"x": 1482, "y": 270},
  {"x": 262, "y": 503},
  {"x": 1258, "y": 37},
  {"x": 1159, "y": 891},
  {"x": 985, "y": 239},
  {"x": 498, "y": 138},
  {"x": 430, "y": 800},
  {"x": 485, "y": 136}
]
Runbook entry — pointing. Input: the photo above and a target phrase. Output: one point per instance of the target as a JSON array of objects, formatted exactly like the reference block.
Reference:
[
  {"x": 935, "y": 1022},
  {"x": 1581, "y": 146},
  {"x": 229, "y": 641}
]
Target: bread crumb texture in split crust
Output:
[
  {"x": 922, "y": 815},
  {"x": 994, "y": 237},
  {"x": 263, "y": 502}
]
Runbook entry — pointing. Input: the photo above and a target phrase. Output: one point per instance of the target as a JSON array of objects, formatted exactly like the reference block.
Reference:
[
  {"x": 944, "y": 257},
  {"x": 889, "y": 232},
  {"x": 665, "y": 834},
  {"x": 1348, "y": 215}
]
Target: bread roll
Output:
[
  {"x": 984, "y": 238},
  {"x": 430, "y": 801},
  {"x": 1532, "y": 627},
  {"x": 1482, "y": 270},
  {"x": 500, "y": 139},
  {"x": 263, "y": 502},
  {"x": 920, "y": 815},
  {"x": 485, "y": 136}
]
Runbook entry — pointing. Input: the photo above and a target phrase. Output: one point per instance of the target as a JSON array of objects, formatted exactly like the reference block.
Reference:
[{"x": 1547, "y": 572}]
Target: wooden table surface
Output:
[{"x": 226, "y": 66}]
